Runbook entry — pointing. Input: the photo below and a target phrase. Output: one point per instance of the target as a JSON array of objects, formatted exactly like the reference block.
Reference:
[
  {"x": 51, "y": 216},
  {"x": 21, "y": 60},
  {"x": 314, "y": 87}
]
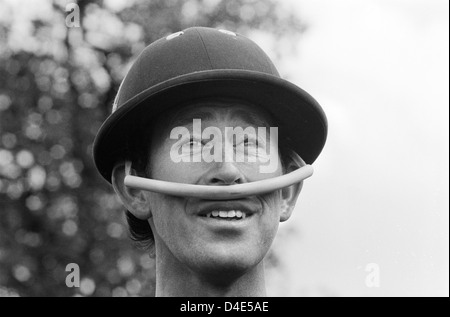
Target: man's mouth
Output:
[
  {"x": 226, "y": 215},
  {"x": 228, "y": 210}
]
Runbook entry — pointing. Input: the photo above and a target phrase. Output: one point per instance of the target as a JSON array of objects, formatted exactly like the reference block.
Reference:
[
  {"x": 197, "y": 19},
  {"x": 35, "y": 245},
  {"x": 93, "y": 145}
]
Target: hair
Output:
[{"x": 138, "y": 150}]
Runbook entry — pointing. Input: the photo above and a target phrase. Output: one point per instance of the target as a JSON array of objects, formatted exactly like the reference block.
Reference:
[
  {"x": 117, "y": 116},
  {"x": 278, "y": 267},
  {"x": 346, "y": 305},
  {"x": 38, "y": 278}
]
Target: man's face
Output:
[{"x": 206, "y": 235}]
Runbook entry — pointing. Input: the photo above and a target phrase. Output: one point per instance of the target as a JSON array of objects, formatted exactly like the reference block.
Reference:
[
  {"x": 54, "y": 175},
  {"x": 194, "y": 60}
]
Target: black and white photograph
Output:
[{"x": 243, "y": 149}]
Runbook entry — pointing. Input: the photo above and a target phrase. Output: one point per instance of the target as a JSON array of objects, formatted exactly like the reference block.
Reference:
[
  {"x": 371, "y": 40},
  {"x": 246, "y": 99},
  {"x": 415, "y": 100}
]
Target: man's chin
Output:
[{"x": 224, "y": 267}]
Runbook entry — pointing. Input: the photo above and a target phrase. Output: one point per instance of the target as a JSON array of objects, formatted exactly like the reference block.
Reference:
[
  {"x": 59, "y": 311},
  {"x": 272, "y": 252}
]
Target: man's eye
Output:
[
  {"x": 194, "y": 142},
  {"x": 250, "y": 142}
]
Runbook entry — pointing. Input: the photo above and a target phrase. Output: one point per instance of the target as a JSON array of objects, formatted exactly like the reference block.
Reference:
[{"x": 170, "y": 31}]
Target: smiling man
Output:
[{"x": 204, "y": 199}]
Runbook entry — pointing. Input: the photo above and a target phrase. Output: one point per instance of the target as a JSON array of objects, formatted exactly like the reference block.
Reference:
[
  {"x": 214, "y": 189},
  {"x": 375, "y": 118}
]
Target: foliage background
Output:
[{"x": 57, "y": 85}]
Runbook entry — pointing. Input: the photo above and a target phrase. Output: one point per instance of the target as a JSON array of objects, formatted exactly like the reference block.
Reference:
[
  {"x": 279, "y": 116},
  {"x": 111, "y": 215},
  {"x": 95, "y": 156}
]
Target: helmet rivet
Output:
[
  {"x": 227, "y": 32},
  {"x": 174, "y": 35}
]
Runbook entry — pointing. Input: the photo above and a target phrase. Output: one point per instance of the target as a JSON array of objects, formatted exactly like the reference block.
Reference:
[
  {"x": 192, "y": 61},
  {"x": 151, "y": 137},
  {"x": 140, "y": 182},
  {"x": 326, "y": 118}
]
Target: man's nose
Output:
[{"x": 224, "y": 173}]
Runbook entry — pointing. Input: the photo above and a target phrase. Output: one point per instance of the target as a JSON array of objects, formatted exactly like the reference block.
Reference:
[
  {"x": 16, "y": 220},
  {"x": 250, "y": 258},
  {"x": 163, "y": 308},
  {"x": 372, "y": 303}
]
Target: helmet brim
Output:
[{"x": 300, "y": 119}]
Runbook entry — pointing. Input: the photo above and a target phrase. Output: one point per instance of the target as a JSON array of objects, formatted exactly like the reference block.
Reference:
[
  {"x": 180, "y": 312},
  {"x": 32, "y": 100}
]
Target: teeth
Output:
[{"x": 226, "y": 214}]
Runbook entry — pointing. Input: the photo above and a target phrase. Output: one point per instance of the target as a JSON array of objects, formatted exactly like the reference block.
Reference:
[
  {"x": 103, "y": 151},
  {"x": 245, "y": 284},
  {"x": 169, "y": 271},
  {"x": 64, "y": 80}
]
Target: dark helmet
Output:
[{"x": 202, "y": 63}]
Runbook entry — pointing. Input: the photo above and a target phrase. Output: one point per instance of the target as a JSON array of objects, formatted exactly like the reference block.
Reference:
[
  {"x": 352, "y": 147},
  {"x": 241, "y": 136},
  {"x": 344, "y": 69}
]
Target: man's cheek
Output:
[
  {"x": 252, "y": 172},
  {"x": 272, "y": 201},
  {"x": 166, "y": 226},
  {"x": 171, "y": 208},
  {"x": 161, "y": 208}
]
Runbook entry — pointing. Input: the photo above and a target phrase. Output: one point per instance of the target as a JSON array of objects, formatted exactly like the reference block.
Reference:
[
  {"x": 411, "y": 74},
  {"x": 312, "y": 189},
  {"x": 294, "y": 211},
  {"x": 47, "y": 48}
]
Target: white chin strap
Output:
[{"x": 217, "y": 192}]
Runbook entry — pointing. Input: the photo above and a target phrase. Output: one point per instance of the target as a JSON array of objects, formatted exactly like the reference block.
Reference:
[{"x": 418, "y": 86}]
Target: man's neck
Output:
[{"x": 173, "y": 279}]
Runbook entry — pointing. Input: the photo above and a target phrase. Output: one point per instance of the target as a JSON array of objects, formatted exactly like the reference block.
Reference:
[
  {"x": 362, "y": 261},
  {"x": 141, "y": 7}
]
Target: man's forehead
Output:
[{"x": 211, "y": 111}]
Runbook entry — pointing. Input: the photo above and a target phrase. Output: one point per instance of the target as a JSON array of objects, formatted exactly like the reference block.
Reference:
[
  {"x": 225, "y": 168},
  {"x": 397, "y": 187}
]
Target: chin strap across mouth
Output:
[{"x": 217, "y": 192}]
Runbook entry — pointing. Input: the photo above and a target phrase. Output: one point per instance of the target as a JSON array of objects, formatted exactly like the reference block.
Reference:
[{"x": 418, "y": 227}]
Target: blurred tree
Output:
[{"x": 57, "y": 85}]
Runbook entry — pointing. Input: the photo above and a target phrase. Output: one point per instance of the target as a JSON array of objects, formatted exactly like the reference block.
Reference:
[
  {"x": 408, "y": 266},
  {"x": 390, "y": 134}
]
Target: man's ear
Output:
[
  {"x": 134, "y": 200},
  {"x": 290, "y": 194}
]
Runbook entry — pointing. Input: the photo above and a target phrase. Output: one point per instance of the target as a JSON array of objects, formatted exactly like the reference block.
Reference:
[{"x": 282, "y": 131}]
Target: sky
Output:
[{"x": 373, "y": 220}]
